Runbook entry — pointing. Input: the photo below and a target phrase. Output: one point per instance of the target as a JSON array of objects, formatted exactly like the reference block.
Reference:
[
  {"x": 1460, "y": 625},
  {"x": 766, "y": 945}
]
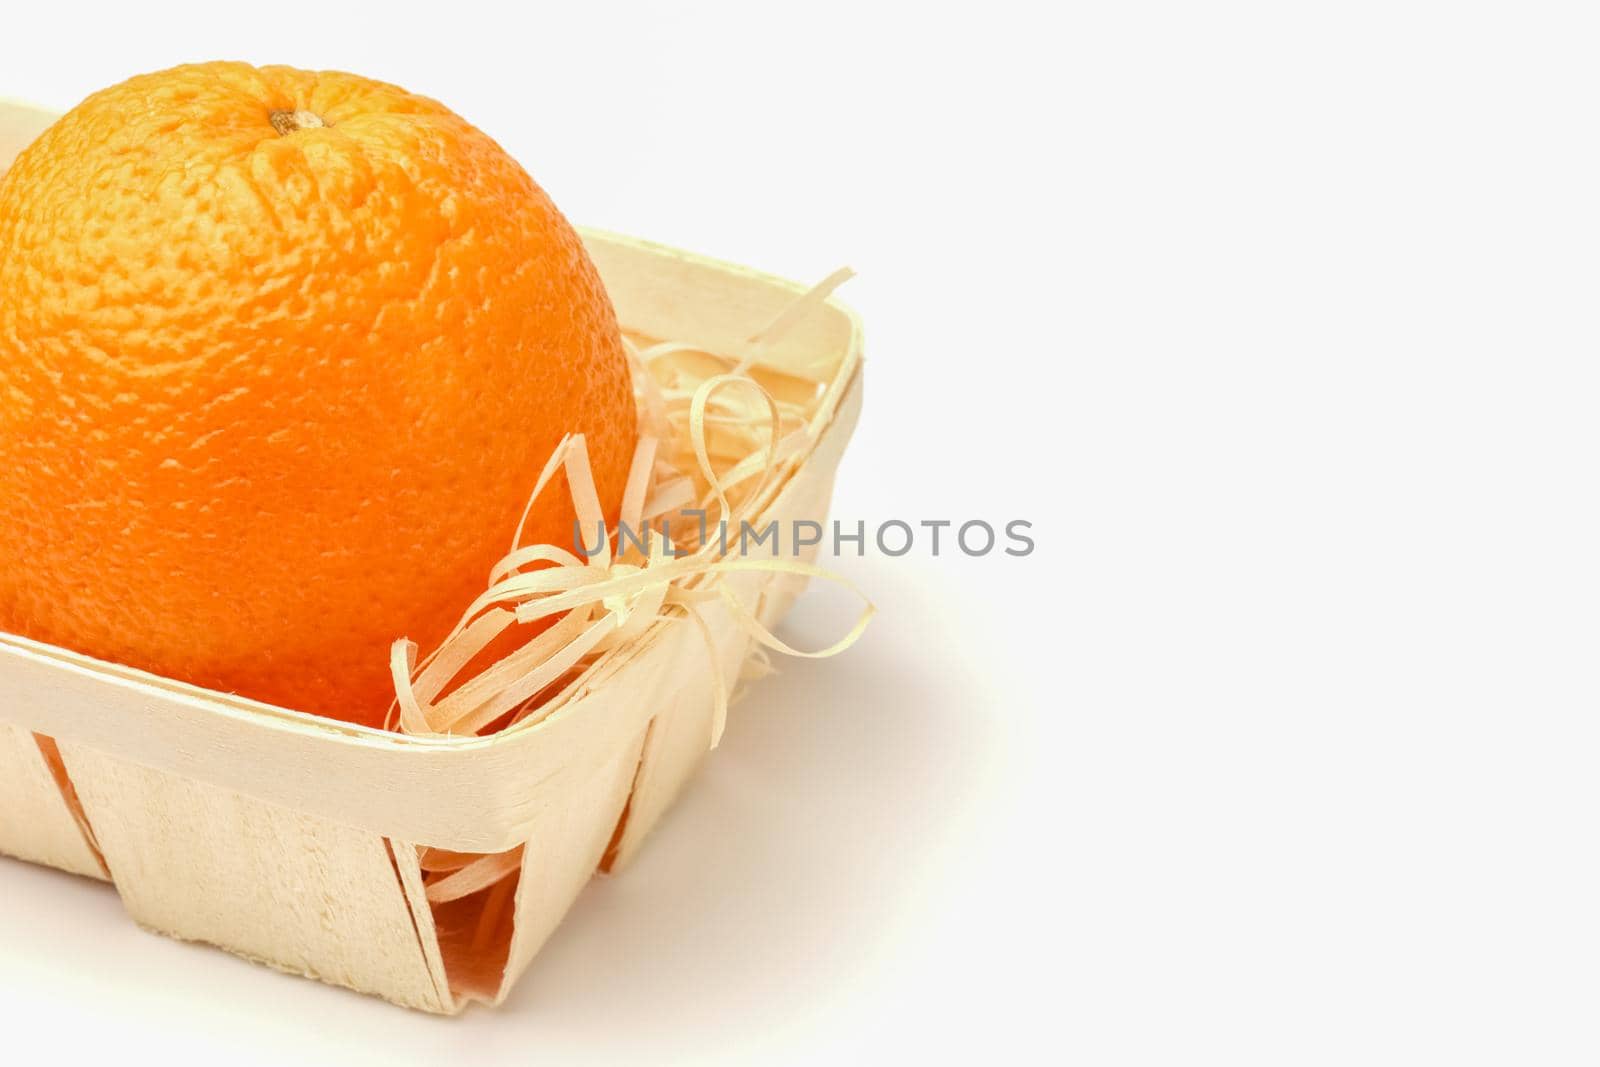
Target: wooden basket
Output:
[{"x": 294, "y": 840}]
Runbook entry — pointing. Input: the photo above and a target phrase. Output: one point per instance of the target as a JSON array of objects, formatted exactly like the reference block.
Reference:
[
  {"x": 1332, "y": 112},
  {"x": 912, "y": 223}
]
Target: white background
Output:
[{"x": 1278, "y": 321}]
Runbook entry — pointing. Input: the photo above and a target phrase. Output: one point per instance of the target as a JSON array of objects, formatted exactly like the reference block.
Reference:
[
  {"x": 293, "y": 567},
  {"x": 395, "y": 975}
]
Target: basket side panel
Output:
[
  {"x": 409, "y": 871},
  {"x": 564, "y": 853},
  {"x": 809, "y": 501},
  {"x": 680, "y": 735},
  {"x": 679, "y": 739},
  {"x": 297, "y": 892},
  {"x": 36, "y": 823},
  {"x": 809, "y": 498}
]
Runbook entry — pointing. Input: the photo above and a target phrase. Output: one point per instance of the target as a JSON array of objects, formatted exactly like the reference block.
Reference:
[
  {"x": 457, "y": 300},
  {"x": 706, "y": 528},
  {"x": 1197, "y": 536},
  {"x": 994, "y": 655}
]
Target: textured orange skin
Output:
[{"x": 269, "y": 402}]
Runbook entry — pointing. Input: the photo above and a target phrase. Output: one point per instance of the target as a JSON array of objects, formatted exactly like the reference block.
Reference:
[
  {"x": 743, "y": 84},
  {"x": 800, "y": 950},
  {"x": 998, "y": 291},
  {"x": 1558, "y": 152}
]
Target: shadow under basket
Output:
[{"x": 309, "y": 844}]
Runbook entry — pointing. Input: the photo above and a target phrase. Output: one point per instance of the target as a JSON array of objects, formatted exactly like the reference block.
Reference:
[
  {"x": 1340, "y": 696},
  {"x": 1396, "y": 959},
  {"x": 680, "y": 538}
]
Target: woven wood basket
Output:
[{"x": 298, "y": 841}]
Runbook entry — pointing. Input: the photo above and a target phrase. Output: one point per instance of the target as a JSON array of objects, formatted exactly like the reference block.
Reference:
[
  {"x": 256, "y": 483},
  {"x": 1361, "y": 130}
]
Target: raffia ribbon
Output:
[{"x": 612, "y": 595}]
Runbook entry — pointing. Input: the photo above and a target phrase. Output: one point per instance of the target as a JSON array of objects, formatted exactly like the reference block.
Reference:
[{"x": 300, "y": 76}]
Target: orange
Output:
[{"x": 281, "y": 355}]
